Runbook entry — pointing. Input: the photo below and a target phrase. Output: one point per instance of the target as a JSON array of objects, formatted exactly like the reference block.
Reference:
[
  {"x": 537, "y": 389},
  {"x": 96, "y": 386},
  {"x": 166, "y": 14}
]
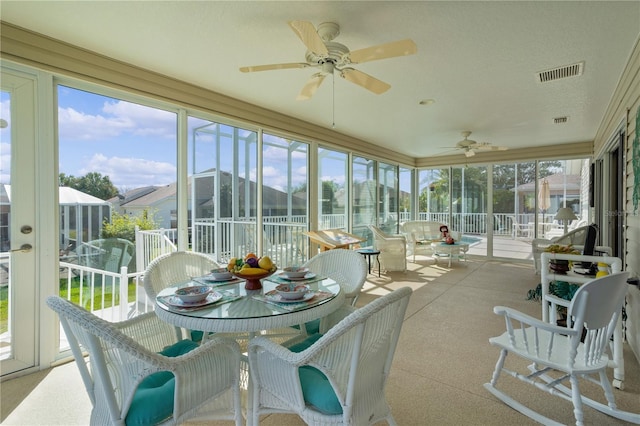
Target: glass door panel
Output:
[
  {"x": 364, "y": 198},
  {"x": 469, "y": 206},
  {"x": 18, "y": 230}
]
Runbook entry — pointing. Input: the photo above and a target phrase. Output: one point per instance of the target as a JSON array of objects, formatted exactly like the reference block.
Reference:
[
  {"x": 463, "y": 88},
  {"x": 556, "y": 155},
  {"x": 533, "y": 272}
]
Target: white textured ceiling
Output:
[{"x": 478, "y": 61}]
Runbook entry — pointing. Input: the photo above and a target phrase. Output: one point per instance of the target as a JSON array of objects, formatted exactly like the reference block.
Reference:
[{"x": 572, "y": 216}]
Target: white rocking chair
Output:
[{"x": 592, "y": 317}]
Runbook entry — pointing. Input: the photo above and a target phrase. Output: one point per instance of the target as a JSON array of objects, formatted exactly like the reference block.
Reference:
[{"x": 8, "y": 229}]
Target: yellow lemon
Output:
[{"x": 265, "y": 263}]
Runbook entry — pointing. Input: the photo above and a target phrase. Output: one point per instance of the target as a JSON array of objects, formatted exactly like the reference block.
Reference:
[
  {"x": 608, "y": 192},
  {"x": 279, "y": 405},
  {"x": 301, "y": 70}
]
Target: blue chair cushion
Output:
[
  {"x": 301, "y": 346},
  {"x": 311, "y": 327},
  {"x": 153, "y": 401},
  {"x": 316, "y": 389}
]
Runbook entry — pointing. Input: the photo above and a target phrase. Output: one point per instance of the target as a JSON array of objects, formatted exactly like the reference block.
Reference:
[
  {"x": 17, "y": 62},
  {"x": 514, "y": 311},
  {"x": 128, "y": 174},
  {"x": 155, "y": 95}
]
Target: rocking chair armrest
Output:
[{"x": 512, "y": 314}]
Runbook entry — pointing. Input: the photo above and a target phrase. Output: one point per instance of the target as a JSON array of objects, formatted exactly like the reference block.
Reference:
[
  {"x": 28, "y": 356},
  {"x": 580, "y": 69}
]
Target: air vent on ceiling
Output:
[
  {"x": 573, "y": 70},
  {"x": 560, "y": 120}
]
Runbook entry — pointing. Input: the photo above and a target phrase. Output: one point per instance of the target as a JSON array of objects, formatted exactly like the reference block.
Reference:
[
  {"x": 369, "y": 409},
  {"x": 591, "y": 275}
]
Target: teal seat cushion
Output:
[
  {"x": 316, "y": 389},
  {"x": 311, "y": 327},
  {"x": 180, "y": 348},
  {"x": 301, "y": 346},
  {"x": 153, "y": 400}
]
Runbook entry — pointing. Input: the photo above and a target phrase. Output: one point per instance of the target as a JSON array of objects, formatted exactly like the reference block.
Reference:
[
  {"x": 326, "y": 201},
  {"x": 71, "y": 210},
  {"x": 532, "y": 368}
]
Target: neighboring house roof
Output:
[
  {"x": 66, "y": 196},
  {"x": 147, "y": 196},
  {"x": 152, "y": 195}
]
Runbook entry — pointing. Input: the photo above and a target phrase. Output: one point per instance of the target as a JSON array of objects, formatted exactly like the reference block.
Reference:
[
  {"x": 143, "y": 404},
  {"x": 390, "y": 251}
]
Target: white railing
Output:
[
  {"x": 153, "y": 243},
  {"x": 102, "y": 292},
  {"x": 283, "y": 236}
]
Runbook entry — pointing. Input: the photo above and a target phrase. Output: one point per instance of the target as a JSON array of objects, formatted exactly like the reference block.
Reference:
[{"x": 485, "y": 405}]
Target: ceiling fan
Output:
[
  {"x": 470, "y": 146},
  {"x": 335, "y": 58}
]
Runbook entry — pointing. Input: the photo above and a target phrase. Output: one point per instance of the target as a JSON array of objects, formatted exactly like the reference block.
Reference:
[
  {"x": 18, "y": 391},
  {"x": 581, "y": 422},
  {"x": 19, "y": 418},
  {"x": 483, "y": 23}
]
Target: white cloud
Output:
[
  {"x": 5, "y": 162},
  {"x": 119, "y": 118},
  {"x": 131, "y": 172}
]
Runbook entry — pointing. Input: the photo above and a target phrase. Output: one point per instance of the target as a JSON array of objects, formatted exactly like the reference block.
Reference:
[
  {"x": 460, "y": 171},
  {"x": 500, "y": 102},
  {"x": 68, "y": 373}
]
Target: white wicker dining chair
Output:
[
  {"x": 338, "y": 378},
  {"x": 565, "y": 353},
  {"x": 346, "y": 267},
  {"x": 175, "y": 267},
  {"x": 138, "y": 373}
]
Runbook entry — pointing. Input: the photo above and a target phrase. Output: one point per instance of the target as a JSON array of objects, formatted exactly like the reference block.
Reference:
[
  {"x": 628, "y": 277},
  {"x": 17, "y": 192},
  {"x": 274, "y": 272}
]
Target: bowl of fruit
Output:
[{"x": 252, "y": 269}]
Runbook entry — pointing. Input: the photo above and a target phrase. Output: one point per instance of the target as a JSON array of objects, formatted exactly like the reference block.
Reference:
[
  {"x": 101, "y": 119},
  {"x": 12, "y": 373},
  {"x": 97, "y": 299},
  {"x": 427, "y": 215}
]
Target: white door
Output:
[{"x": 17, "y": 224}]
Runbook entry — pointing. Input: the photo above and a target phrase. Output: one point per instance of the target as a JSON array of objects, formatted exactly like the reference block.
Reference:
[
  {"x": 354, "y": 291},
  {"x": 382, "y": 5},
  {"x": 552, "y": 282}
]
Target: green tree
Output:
[
  {"x": 124, "y": 226},
  {"x": 92, "y": 183}
]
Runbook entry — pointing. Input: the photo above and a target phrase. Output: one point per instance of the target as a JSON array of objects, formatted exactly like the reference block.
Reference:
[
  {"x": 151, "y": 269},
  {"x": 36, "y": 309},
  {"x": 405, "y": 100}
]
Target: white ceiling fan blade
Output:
[
  {"x": 311, "y": 86},
  {"x": 384, "y": 51},
  {"x": 364, "y": 80},
  {"x": 274, "y": 67},
  {"x": 309, "y": 36}
]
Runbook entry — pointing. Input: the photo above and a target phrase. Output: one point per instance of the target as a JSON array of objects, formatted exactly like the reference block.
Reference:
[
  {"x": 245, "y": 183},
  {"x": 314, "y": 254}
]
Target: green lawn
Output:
[{"x": 75, "y": 297}]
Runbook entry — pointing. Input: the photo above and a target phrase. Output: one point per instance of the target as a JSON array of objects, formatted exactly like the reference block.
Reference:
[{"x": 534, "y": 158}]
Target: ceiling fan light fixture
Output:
[{"x": 327, "y": 55}]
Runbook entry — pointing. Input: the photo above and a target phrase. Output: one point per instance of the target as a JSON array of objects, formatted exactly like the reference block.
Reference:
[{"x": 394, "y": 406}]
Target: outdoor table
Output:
[
  {"x": 247, "y": 314},
  {"x": 442, "y": 249}
]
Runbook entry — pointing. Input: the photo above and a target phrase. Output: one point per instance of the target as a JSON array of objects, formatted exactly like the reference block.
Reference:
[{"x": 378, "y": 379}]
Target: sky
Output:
[{"x": 135, "y": 145}]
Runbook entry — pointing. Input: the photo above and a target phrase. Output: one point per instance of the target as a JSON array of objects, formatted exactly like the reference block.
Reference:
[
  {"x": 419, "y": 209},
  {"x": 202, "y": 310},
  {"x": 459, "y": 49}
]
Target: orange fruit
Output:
[{"x": 250, "y": 255}]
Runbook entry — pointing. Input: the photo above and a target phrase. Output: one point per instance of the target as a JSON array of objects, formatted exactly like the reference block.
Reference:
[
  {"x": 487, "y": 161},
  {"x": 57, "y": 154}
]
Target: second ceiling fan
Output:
[
  {"x": 470, "y": 146},
  {"x": 335, "y": 58}
]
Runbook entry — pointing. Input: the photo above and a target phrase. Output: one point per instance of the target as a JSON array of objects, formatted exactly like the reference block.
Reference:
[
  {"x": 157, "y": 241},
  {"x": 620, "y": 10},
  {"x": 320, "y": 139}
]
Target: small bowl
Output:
[
  {"x": 221, "y": 274},
  {"x": 289, "y": 292},
  {"x": 295, "y": 272},
  {"x": 193, "y": 294}
]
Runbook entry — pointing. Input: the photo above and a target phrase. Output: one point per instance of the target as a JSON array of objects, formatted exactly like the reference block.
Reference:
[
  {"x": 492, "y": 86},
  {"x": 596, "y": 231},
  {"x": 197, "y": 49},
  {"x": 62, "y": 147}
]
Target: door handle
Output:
[{"x": 23, "y": 248}]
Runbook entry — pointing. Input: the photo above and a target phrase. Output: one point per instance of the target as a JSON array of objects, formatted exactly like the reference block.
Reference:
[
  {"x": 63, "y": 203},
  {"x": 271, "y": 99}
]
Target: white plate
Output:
[
  {"x": 211, "y": 278},
  {"x": 212, "y": 297},
  {"x": 277, "y": 298},
  {"x": 307, "y": 276}
]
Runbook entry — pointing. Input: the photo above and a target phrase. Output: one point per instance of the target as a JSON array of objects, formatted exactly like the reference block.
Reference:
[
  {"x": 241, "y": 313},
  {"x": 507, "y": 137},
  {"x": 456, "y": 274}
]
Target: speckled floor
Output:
[{"x": 442, "y": 361}]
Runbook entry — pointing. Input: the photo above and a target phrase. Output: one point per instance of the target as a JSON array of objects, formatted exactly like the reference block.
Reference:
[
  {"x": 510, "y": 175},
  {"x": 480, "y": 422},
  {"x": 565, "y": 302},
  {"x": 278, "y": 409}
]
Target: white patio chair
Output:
[
  {"x": 338, "y": 378},
  {"x": 175, "y": 268},
  {"x": 577, "y": 238},
  {"x": 346, "y": 267},
  {"x": 138, "y": 373},
  {"x": 592, "y": 317},
  {"x": 393, "y": 250}
]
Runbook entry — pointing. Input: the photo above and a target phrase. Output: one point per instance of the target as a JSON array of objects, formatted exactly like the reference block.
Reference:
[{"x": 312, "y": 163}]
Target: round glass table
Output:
[{"x": 249, "y": 310}]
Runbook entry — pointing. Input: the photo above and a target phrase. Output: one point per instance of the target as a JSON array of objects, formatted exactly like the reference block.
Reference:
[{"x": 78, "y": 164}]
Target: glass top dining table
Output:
[{"x": 242, "y": 310}]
